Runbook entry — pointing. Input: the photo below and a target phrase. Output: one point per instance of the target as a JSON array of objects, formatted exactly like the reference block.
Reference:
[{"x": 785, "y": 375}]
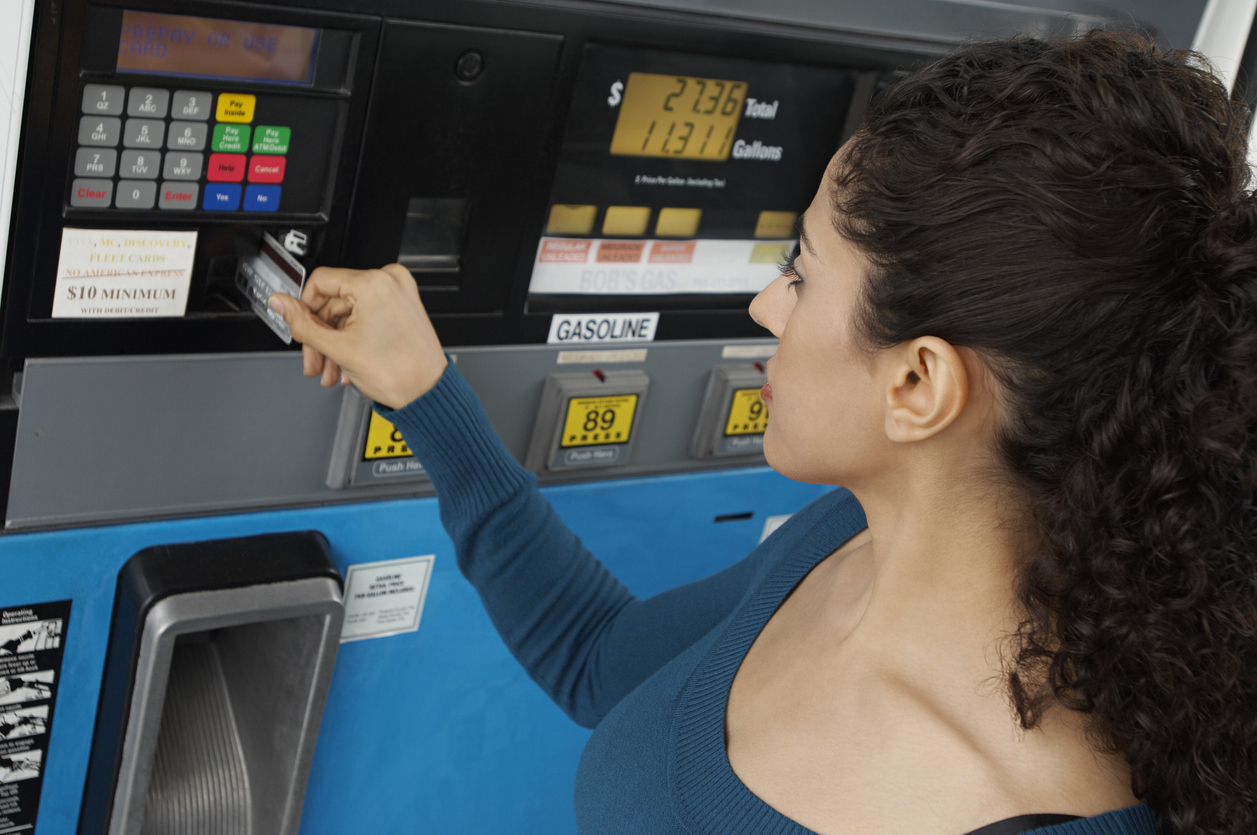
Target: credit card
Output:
[{"x": 272, "y": 270}]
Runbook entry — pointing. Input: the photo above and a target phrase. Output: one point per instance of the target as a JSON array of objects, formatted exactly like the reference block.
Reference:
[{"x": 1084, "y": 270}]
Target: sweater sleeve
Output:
[{"x": 577, "y": 630}]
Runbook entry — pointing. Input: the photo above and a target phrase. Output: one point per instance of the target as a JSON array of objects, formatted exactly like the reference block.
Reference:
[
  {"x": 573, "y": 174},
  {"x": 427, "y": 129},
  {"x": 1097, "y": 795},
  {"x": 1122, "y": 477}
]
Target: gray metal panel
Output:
[
  {"x": 112, "y": 438},
  {"x": 106, "y": 439},
  {"x": 947, "y": 21}
]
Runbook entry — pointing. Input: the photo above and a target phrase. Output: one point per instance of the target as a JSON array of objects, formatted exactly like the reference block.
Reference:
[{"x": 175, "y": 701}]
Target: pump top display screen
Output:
[
  {"x": 680, "y": 178},
  {"x": 203, "y": 47}
]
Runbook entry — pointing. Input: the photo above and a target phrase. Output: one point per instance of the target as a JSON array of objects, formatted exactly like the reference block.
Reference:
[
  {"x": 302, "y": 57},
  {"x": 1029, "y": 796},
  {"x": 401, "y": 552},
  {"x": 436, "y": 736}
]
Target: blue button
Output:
[
  {"x": 261, "y": 198},
  {"x": 221, "y": 197}
]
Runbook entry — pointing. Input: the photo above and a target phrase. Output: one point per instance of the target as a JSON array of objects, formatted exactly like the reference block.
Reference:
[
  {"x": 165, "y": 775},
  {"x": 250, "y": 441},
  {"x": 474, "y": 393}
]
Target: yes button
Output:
[
  {"x": 221, "y": 197},
  {"x": 226, "y": 168}
]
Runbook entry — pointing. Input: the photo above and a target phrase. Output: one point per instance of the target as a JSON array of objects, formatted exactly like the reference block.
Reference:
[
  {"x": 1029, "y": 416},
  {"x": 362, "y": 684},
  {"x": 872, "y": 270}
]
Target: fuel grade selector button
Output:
[
  {"x": 587, "y": 420},
  {"x": 733, "y": 418}
]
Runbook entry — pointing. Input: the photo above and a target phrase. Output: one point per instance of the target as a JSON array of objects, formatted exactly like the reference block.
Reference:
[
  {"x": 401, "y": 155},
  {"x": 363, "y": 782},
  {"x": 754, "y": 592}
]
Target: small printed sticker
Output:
[
  {"x": 385, "y": 598},
  {"x": 31, "y": 642}
]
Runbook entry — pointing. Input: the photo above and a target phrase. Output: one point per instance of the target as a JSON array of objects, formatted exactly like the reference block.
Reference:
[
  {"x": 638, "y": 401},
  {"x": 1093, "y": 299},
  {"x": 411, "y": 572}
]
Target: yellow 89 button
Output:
[
  {"x": 598, "y": 420},
  {"x": 747, "y": 414}
]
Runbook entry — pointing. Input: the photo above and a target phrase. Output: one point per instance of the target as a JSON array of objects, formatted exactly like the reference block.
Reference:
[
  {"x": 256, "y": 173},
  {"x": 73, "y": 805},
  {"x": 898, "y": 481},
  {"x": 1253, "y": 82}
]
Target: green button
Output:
[
  {"x": 230, "y": 138},
  {"x": 270, "y": 139}
]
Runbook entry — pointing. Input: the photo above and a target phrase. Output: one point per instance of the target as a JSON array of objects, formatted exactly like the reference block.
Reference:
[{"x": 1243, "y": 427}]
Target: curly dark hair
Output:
[{"x": 1077, "y": 212}]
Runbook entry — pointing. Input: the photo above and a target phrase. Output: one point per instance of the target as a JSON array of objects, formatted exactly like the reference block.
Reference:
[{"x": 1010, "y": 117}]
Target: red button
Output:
[
  {"x": 267, "y": 169},
  {"x": 226, "y": 168}
]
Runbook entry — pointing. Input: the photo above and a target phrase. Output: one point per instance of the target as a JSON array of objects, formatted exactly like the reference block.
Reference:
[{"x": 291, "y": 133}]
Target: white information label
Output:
[
  {"x": 385, "y": 598},
  {"x": 748, "y": 352},
  {"x": 596, "y": 266},
  {"x": 600, "y": 357},
  {"x": 605, "y": 328},
  {"x": 123, "y": 273}
]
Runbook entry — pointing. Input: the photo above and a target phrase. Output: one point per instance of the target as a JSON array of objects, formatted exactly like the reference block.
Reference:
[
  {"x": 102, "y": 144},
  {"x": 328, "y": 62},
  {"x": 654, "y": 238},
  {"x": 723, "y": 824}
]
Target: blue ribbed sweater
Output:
[{"x": 652, "y": 676}]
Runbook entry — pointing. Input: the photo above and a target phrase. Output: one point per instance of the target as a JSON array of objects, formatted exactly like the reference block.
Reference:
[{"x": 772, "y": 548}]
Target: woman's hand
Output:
[{"x": 367, "y": 327}]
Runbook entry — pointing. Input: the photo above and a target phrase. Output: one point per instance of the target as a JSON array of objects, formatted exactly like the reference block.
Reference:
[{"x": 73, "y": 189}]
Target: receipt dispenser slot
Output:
[
  {"x": 587, "y": 420},
  {"x": 733, "y": 417},
  {"x": 220, "y": 656}
]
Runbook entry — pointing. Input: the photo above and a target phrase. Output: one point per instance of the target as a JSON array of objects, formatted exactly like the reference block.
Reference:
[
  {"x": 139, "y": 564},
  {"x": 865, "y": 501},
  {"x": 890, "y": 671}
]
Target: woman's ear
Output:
[{"x": 927, "y": 388}]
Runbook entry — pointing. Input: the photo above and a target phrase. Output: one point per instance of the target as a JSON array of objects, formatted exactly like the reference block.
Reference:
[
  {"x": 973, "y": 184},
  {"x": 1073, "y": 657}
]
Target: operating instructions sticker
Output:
[
  {"x": 32, "y": 639},
  {"x": 123, "y": 273},
  {"x": 384, "y": 598}
]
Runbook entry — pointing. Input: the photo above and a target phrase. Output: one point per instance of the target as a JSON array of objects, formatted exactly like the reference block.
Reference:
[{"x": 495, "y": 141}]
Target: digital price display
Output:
[
  {"x": 680, "y": 177},
  {"x": 678, "y": 116},
  {"x": 203, "y": 47},
  {"x": 747, "y": 414},
  {"x": 598, "y": 420},
  {"x": 383, "y": 441}
]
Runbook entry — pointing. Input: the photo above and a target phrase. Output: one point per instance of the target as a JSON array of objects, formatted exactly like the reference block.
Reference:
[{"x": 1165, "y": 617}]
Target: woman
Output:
[{"x": 1021, "y": 329}]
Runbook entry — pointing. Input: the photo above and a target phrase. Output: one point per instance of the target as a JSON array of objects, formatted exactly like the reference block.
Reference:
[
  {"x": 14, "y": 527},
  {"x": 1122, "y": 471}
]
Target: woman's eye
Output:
[{"x": 787, "y": 267}]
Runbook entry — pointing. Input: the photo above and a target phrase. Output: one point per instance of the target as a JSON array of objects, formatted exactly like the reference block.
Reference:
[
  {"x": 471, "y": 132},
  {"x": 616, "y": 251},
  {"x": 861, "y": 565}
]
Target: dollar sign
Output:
[{"x": 616, "y": 89}]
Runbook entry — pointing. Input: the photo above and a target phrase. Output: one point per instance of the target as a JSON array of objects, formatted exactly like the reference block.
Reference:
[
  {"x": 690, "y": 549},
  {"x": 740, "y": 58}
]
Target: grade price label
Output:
[
  {"x": 747, "y": 414},
  {"x": 598, "y": 420},
  {"x": 383, "y": 441}
]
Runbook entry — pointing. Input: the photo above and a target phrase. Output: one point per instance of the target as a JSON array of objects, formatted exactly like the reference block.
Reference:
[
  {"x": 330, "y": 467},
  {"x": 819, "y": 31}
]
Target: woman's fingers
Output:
[{"x": 369, "y": 326}]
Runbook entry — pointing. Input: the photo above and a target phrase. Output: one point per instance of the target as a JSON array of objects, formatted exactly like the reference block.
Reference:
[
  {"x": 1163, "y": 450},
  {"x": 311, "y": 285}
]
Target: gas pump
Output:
[{"x": 240, "y": 577}]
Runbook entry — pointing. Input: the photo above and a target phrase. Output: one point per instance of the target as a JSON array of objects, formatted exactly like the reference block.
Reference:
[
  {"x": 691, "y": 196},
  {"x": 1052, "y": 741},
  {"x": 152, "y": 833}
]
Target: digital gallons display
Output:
[
  {"x": 681, "y": 177},
  {"x": 203, "y": 47},
  {"x": 675, "y": 116}
]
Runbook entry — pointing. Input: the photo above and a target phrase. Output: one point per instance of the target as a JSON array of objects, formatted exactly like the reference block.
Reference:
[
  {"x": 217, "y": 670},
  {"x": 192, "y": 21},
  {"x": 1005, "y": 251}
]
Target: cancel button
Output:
[{"x": 178, "y": 195}]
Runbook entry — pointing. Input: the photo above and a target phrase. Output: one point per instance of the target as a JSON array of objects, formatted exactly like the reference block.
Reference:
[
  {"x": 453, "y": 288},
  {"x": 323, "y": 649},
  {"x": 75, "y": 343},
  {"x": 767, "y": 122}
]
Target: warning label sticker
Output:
[
  {"x": 385, "y": 598},
  {"x": 31, "y": 642}
]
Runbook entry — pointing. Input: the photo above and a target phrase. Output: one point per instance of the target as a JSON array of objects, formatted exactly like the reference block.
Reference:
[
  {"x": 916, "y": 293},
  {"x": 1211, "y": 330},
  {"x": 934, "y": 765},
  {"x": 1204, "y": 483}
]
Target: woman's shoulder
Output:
[{"x": 833, "y": 518}]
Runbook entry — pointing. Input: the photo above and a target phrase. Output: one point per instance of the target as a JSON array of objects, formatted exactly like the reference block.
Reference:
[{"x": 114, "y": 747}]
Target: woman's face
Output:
[{"x": 826, "y": 406}]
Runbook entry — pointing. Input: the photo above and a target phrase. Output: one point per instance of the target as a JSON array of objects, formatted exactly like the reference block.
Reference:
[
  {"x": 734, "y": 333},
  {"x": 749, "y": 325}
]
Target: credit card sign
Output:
[
  {"x": 598, "y": 421},
  {"x": 747, "y": 414}
]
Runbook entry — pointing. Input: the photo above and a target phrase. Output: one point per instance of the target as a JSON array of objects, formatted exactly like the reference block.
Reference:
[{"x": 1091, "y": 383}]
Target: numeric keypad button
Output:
[
  {"x": 95, "y": 162},
  {"x": 101, "y": 132},
  {"x": 91, "y": 194},
  {"x": 148, "y": 102},
  {"x": 144, "y": 133},
  {"x": 181, "y": 166},
  {"x": 136, "y": 194},
  {"x": 140, "y": 165},
  {"x": 186, "y": 136},
  {"x": 104, "y": 99},
  {"x": 191, "y": 104}
]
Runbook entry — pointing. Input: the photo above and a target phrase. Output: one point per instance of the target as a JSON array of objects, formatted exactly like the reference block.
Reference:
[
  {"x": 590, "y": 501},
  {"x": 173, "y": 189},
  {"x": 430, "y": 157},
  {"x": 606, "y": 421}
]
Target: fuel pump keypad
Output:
[{"x": 173, "y": 151}]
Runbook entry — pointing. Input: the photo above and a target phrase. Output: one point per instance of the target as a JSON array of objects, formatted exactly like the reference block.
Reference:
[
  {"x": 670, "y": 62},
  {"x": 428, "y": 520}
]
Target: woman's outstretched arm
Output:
[{"x": 584, "y": 637}]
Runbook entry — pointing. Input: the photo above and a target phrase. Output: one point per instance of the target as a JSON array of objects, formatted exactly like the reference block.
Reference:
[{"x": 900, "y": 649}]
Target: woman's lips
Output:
[{"x": 766, "y": 393}]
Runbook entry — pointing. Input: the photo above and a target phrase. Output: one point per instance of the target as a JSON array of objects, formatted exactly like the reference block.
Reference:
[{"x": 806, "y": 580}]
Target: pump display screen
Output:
[
  {"x": 203, "y": 47},
  {"x": 678, "y": 116},
  {"x": 680, "y": 177}
]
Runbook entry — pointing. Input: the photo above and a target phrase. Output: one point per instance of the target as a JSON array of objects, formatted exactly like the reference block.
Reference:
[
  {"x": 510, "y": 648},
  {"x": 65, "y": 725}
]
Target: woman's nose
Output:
[{"x": 770, "y": 308}]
